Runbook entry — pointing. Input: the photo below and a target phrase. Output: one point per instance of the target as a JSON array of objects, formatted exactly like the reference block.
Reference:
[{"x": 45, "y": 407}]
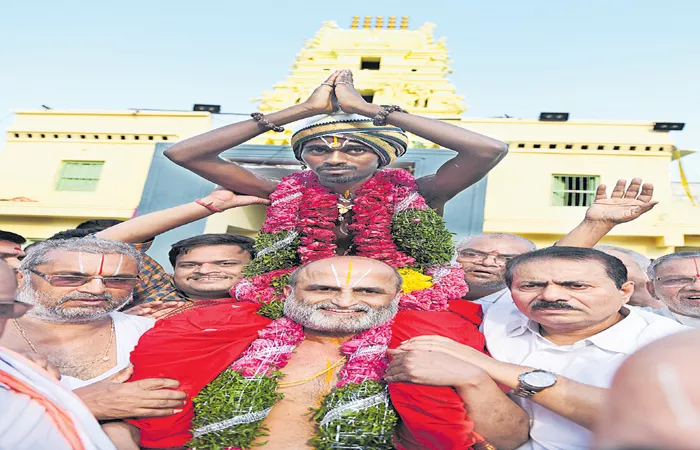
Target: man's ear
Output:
[{"x": 287, "y": 290}]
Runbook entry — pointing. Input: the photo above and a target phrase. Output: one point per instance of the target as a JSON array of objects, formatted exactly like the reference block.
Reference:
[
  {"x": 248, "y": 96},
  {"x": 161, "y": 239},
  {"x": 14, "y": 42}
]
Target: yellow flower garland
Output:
[{"x": 413, "y": 280}]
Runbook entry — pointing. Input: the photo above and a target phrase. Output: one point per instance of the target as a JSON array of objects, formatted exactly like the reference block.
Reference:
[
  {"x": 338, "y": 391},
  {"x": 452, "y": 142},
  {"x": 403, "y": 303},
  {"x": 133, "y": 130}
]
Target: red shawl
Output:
[{"x": 195, "y": 346}]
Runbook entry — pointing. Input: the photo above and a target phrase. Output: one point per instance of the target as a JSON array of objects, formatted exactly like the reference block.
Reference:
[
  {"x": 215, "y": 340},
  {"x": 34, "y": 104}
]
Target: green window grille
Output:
[
  {"x": 574, "y": 190},
  {"x": 81, "y": 176}
]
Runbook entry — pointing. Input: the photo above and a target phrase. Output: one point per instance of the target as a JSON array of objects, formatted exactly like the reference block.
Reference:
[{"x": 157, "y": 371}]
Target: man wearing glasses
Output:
[
  {"x": 37, "y": 413},
  {"x": 675, "y": 280},
  {"x": 76, "y": 288},
  {"x": 483, "y": 258}
]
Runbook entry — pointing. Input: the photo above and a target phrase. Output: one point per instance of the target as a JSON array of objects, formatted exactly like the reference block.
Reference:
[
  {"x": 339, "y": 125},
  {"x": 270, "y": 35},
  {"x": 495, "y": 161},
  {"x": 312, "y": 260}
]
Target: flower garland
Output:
[
  {"x": 391, "y": 223},
  {"x": 352, "y": 410}
]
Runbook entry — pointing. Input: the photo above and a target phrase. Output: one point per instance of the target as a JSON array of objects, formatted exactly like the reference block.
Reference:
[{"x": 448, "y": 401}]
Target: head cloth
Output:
[{"x": 386, "y": 141}]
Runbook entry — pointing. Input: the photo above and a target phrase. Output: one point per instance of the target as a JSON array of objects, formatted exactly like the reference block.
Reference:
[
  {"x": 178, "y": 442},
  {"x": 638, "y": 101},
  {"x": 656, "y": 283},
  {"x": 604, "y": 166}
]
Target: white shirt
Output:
[
  {"x": 511, "y": 337},
  {"x": 128, "y": 328},
  {"x": 25, "y": 424},
  {"x": 497, "y": 298},
  {"x": 685, "y": 320}
]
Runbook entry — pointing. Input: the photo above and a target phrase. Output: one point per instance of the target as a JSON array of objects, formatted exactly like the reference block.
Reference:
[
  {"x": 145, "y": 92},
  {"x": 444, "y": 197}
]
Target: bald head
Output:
[
  {"x": 483, "y": 258},
  {"x": 342, "y": 295},
  {"x": 655, "y": 398}
]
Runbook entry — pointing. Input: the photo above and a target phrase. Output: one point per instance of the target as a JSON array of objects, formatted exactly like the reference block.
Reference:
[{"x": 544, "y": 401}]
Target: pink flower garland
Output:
[
  {"x": 271, "y": 350},
  {"x": 448, "y": 284},
  {"x": 259, "y": 289}
]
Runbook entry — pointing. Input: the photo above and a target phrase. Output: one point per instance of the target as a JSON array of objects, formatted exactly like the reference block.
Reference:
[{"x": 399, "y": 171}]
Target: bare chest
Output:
[
  {"x": 83, "y": 358},
  {"x": 290, "y": 423}
]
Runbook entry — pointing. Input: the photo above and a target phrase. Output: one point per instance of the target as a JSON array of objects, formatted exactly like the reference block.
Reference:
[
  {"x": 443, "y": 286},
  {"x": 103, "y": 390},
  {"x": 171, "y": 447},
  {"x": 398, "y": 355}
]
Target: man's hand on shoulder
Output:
[
  {"x": 114, "y": 398},
  {"x": 155, "y": 310},
  {"x": 433, "y": 368}
]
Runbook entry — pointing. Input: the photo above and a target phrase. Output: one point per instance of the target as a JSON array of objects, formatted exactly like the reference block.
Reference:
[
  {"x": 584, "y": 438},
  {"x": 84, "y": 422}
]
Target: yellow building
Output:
[
  {"x": 60, "y": 168},
  {"x": 539, "y": 191}
]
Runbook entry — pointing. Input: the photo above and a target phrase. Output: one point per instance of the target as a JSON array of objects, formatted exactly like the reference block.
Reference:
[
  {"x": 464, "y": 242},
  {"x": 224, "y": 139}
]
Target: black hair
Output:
[
  {"x": 184, "y": 246},
  {"x": 12, "y": 237},
  {"x": 98, "y": 224},
  {"x": 614, "y": 268},
  {"x": 72, "y": 233}
]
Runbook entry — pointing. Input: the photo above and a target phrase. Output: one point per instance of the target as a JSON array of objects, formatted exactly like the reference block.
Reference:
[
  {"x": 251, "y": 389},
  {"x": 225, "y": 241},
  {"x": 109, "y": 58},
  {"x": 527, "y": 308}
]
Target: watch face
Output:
[{"x": 539, "y": 379}]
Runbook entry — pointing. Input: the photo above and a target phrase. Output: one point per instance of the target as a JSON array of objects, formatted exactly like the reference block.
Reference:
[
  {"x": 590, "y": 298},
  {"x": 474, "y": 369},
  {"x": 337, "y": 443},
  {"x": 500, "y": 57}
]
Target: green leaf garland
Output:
[
  {"x": 369, "y": 428},
  {"x": 422, "y": 234},
  {"x": 229, "y": 395},
  {"x": 283, "y": 258}
]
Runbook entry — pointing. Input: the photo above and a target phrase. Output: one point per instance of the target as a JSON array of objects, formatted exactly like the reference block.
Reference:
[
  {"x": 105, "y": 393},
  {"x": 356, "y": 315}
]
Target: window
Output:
[
  {"x": 370, "y": 63},
  {"x": 368, "y": 96},
  {"x": 574, "y": 190},
  {"x": 521, "y": 145},
  {"x": 552, "y": 145},
  {"x": 569, "y": 146},
  {"x": 80, "y": 176}
]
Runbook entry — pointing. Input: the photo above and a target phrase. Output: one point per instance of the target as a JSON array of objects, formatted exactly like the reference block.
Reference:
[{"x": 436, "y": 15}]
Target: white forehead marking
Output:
[
  {"x": 80, "y": 262},
  {"x": 362, "y": 277},
  {"x": 335, "y": 274},
  {"x": 119, "y": 266},
  {"x": 687, "y": 416}
]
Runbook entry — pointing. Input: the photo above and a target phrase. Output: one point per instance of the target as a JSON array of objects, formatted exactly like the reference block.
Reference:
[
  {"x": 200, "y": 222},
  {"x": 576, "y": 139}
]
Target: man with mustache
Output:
[
  {"x": 76, "y": 287},
  {"x": 673, "y": 279},
  {"x": 558, "y": 346}
]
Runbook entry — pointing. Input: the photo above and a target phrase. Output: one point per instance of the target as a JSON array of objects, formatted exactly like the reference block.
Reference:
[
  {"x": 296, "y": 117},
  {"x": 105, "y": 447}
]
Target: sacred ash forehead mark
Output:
[
  {"x": 349, "y": 275},
  {"x": 102, "y": 264}
]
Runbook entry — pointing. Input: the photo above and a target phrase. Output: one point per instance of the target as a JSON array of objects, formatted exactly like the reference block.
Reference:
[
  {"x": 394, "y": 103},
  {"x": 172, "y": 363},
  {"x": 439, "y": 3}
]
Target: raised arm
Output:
[
  {"x": 148, "y": 226},
  {"x": 476, "y": 154},
  {"x": 624, "y": 205},
  {"x": 200, "y": 154}
]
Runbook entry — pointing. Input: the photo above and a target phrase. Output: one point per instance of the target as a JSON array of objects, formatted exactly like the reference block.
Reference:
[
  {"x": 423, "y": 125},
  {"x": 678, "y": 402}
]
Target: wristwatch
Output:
[{"x": 534, "y": 381}]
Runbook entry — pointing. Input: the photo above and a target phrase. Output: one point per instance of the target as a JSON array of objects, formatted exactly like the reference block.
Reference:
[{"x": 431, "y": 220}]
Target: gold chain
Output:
[
  {"x": 104, "y": 357},
  {"x": 313, "y": 377}
]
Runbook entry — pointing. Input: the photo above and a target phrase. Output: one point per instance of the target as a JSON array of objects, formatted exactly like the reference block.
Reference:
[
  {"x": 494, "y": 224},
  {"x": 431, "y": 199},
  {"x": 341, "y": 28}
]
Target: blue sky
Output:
[{"x": 605, "y": 59}]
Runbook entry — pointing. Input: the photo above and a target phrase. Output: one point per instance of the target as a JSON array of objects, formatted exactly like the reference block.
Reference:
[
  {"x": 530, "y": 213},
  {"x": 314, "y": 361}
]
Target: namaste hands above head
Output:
[{"x": 337, "y": 93}]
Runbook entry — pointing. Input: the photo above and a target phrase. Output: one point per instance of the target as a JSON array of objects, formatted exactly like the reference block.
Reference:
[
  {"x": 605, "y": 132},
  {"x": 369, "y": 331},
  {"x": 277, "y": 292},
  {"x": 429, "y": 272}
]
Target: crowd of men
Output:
[{"x": 587, "y": 346}]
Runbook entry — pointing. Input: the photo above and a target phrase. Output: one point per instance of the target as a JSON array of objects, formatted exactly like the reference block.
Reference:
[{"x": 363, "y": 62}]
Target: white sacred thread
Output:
[
  {"x": 371, "y": 350},
  {"x": 405, "y": 203},
  {"x": 119, "y": 266},
  {"x": 228, "y": 423},
  {"x": 335, "y": 274},
  {"x": 279, "y": 244},
  {"x": 357, "y": 405},
  {"x": 686, "y": 415},
  {"x": 366, "y": 273},
  {"x": 287, "y": 198}
]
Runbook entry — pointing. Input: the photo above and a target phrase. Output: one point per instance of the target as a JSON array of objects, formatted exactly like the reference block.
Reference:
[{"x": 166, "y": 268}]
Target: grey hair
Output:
[
  {"x": 651, "y": 270},
  {"x": 38, "y": 254},
  {"x": 294, "y": 277},
  {"x": 463, "y": 243},
  {"x": 642, "y": 261}
]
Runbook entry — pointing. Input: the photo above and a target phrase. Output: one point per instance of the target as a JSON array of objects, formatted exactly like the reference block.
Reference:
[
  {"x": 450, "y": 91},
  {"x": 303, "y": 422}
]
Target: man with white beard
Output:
[{"x": 76, "y": 287}]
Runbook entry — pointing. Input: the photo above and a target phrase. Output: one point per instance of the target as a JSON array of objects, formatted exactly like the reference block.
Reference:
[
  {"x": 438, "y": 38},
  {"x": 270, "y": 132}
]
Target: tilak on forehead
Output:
[
  {"x": 349, "y": 276},
  {"x": 389, "y": 143},
  {"x": 102, "y": 264}
]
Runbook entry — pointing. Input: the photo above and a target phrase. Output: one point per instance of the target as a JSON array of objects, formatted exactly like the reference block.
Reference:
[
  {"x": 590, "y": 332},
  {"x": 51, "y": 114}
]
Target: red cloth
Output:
[
  {"x": 435, "y": 417},
  {"x": 195, "y": 346}
]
